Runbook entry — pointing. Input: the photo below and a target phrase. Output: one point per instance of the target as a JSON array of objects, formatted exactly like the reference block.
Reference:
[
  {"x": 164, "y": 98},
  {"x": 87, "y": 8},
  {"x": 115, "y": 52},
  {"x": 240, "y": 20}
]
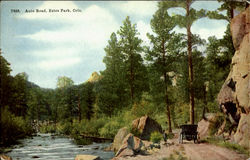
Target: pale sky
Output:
[{"x": 48, "y": 45}]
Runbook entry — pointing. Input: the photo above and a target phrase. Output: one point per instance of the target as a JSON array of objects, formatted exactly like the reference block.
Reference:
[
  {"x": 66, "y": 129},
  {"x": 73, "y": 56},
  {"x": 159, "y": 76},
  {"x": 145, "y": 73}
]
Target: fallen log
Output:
[{"x": 96, "y": 139}]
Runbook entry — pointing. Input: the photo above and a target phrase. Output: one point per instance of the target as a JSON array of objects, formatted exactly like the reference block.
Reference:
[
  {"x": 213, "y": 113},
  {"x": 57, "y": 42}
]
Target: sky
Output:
[{"x": 52, "y": 44}]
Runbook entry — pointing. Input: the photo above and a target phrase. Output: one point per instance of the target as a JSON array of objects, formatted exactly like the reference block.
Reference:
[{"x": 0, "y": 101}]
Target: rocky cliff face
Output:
[{"x": 234, "y": 96}]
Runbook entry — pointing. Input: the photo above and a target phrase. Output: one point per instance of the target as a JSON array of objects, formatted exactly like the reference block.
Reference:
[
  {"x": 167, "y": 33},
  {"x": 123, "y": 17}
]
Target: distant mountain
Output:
[{"x": 32, "y": 85}]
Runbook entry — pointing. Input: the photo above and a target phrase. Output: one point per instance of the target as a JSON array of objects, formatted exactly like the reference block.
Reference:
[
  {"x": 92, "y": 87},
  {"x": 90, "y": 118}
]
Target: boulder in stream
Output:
[
  {"x": 87, "y": 157},
  {"x": 131, "y": 146},
  {"x": 119, "y": 137},
  {"x": 5, "y": 157}
]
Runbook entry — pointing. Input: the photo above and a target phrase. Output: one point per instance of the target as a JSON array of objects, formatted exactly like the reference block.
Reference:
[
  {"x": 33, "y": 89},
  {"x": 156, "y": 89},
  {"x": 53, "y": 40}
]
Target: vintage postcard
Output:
[{"x": 124, "y": 80}]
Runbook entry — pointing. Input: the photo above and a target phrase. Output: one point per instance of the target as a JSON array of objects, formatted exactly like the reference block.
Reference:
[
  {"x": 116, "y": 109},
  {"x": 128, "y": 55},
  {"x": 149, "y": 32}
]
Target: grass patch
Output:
[
  {"x": 175, "y": 157},
  {"x": 232, "y": 146},
  {"x": 155, "y": 137}
]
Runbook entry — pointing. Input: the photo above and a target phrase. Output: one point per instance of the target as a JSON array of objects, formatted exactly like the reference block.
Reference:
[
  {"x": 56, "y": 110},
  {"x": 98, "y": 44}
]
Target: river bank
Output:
[{"x": 48, "y": 146}]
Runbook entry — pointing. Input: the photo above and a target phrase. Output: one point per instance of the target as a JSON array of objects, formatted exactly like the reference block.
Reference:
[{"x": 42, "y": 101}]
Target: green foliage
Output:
[
  {"x": 165, "y": 50},
  {"x": 5, "y": 80},
  {"x": 48, "y": 128},
  {"x": 135, "y": 132},
  {"x": 175, "y": 157},
  {"x": 144, "y": 107},
  {"x": 155, "y": 137},
  {"x": 135, "y": 70},
  {"x": 221, "y": 142},
  {"x": 129, "y": 87},
  {"x": 93, "y": 126},
  {"x": 63, "y": 81},
  {"x": 233, "y": 146},
  {"x": 111, "y": 89},
  {"x": 183, "y": 114},
  {"x": 229, "y": 6},
  {"x": 170, "y": 135},
  {"x": 17, "y": 127},
  {"x": 66, "y": 128},
  {"x": 113, "y": 124},
  {"x": 90, "y": 100},
  {"x": 110, "y": 129},
  {"x": 125, "y": 77}
]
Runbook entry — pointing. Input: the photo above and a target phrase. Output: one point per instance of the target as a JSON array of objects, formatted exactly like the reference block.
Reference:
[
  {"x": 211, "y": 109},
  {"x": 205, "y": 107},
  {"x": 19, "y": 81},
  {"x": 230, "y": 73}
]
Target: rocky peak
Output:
[{"x": 94, "y": 77}]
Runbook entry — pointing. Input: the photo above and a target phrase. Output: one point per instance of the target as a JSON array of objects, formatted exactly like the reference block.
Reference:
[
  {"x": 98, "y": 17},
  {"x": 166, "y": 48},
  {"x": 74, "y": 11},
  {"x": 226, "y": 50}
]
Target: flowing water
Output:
[{"x": 49, "y": 147}]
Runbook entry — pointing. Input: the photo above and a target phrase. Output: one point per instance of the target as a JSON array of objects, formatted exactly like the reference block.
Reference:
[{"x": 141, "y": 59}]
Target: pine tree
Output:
[
  {"x": 166, "y": 46},
  {"x": 186, "y": 22},
  {"x": 131, "y": 49}
]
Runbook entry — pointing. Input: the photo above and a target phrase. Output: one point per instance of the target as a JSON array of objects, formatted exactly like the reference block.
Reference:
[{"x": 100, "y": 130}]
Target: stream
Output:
[{"x": 50, "y": 147}]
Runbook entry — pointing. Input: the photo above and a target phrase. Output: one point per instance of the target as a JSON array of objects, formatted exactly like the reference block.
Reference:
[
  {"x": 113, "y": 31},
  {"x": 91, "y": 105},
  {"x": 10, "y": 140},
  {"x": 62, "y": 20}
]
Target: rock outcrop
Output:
[
  {"x": 145, "y": 126},
  {"x": 5, "y": 157},
  {"x": 119, "y": 137},
  {"x": 234, "y": 96},
  {"x": 94, "y": 77},
  {"x": 204, "y": 126},
  {"x": 131, "y": 146},
  {"x": 242, "y": 135},
  {"x": 87, "y": 157},
  {"x": 127, "y": 144}
]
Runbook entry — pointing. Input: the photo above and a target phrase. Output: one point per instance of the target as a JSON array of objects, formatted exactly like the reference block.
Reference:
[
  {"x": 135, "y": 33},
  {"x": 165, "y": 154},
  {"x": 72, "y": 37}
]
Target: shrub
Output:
[
  {"x": 155, "y": 137},
  {"x": 135, "y": 132},
  {"x": 13, "y": 128},
  {"x": 64, "y": 128},
  {"x": 47, "y": 128},
  {"x": 92, "y": 127},
  {"x": 170, "y": 135},
  {"x": 110, "y": 129}
]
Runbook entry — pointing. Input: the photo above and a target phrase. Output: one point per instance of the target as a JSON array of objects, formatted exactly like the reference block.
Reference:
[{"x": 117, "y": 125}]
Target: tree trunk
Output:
[
  {"x": 79, "y": 109},
  {"x": 166, "y": 89},
  {"x": 231, "y": 11},
  {"x": 190, "y": 65},
  {"x": 205, "y": 102},
  {"x": 167, "y": 106},
  {"x": 131, "y": 79}
]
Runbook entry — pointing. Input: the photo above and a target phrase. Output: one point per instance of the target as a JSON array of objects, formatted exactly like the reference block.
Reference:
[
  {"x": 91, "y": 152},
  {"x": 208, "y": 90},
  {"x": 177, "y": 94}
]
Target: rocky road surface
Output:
[{"x": 190, "y": 151}]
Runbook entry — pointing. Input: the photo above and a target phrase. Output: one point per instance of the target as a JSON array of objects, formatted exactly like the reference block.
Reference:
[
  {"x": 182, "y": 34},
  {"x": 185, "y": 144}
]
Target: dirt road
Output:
[{"x": 190, "y": 151}]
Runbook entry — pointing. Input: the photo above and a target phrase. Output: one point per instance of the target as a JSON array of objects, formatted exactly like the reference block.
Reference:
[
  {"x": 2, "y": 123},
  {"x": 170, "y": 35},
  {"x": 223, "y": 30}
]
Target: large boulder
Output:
[
  {"x": 145, "y": 126},
  {"x": 5, "y": 157},
  {"x": 119, "y": 137},
  {"x": 242, "y": 135},
  {"x": 204, "y": 125},
  {"x": 131, "y": 146},
  {"x": 87, "y": 157},
  {"x": 234, "y": 96}
]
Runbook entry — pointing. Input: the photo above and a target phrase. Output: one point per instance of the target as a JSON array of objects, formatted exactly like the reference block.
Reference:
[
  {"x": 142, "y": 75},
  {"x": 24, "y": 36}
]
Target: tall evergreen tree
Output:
[
  {"x": 89, "y": 100},
  {"x": 131, "y": 49},
  {"x": 166, "y": 46},
  {"x": 186, "y": 22},
  {"x": 111, "y": 89},
  {"x": 5, "y": 81}
]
